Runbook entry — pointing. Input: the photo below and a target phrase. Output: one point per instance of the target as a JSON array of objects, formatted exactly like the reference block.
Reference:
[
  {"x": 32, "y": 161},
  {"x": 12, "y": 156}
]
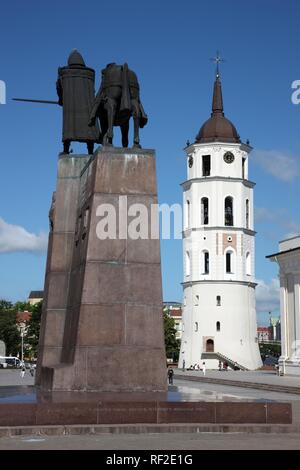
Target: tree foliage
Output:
[
  {"x": 172, "y": 344},
  {"x": 9, "y": 332},
  {"x": 33, "y": 331},
  {"x": 270, "y": 348},
  {"x": 6, "y": 305}
]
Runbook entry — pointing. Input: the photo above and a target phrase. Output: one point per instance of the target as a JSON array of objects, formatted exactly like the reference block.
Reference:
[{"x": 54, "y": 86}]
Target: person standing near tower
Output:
[
  {"x": 22, "y": 373},
  {"x": 170, "y": 375}
]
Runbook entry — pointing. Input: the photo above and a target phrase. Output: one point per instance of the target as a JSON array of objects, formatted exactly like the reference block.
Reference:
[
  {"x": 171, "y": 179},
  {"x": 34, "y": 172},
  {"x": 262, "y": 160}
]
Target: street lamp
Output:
[
  {"x": 21, "y": 329},
  {"x": 22, "y": 346}
]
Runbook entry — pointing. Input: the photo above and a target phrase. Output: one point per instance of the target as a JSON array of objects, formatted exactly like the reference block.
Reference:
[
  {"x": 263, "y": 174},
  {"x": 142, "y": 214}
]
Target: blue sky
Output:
[{"x": 169, "y": 45}]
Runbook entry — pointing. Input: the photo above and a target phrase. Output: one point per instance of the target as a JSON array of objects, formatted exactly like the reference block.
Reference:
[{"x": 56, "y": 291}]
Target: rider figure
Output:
[{"x": 117, "y": 100}]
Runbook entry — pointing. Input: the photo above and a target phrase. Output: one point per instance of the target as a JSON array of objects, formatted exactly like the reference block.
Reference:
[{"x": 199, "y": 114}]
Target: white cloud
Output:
[
  {"x": 262, "y": 214},
  {"x": 280, "y": 218},
  {"x": 15, "y": 238},
  {"x": 282, "y": 165},
  {"x": 267, "y": 296}
]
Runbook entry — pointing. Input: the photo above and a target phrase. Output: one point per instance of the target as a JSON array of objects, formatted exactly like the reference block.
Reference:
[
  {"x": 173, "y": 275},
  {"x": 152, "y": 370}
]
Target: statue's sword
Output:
[{"x": 36, "y": 101}]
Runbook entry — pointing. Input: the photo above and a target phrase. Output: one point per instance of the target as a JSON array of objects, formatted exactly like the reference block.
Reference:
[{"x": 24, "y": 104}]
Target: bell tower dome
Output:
[{"x": 217, "y": 127}]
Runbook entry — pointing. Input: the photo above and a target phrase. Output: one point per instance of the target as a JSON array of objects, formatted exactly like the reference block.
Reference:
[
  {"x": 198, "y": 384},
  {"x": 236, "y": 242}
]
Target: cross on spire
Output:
[{"x": 217, "y": 60}]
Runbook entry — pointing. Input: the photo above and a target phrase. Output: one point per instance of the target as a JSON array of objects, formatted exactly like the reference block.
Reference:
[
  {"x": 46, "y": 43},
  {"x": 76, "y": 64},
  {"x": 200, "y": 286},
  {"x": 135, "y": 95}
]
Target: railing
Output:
[
  {"x": 269, "y": 341},
  {"x": 218, "y": 355}
]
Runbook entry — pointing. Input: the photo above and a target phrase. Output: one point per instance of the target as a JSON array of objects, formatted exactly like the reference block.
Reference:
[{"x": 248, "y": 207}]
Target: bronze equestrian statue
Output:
[{"x": 117, "y": 100}]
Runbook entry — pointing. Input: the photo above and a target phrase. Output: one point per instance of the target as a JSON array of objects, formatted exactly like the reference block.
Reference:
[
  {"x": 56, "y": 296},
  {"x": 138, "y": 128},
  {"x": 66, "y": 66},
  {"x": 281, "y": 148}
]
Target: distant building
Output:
[
  {"x": 175, "y": 311},
  {"x": 35, "y": 296},
  {"x": 263, "y": 334},
  {"x": 288, "y": 259},
  {"x": 22, "y": 320},
  {"x": 23, "y": 317}
]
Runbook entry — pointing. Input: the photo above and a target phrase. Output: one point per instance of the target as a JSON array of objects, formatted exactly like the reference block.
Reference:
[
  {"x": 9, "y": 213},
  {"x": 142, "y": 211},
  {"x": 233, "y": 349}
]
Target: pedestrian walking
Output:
[
  {"x": 170, "y": 375},
  {"x": 183, "y": 365},
  {"x": 203, "y": 368},
  {"x": 31, "y": 370},
  {"x": 220, "y": 365},
  {"x": 22, "y": 373}
]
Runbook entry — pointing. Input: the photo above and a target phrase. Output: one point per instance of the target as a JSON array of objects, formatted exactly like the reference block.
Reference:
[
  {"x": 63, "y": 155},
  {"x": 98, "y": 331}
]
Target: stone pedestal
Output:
[{"x": 102, "y": 327}]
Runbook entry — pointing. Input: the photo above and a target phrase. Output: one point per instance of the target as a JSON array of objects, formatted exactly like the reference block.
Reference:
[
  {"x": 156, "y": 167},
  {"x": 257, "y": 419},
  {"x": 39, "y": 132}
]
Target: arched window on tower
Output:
[
  {"x": 206, "y": 165},
  {"x": 187, "y": 264},
  {"x": 228, "y": 209},
  {"x": 248, "y": 264},
  {"x": 229, "y": 255},
  {"x": 243, "y": 167},
  {"x": 205, "y": 262},
  {"x": 188, "y": 214},
  {"x": 247, "y": 213},
  {"x": 218, "y": 326},
  {"x": 204, "y": 211}
]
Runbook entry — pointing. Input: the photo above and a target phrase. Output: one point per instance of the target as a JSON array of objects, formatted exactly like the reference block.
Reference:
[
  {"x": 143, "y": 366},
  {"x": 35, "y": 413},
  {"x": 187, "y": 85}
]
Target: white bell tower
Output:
[{"x": 219, "y": 313}]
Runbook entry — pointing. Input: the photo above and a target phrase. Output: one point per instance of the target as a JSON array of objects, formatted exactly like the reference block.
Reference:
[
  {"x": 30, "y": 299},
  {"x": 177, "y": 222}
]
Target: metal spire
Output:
[{"x": 217, "y": 60}]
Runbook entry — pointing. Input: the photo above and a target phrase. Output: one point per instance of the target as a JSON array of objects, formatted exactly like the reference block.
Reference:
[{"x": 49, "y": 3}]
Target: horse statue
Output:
[{"x": 116, "y": 101}]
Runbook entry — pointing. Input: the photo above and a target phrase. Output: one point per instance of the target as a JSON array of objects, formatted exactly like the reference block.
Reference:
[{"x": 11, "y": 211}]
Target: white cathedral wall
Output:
[
  {"x": 290, "y": 308},
  {"x": 237, "y": 338},
  {"x": 218, "y": 166},
  {"x": 216, "y": 192},
  {"x": 200, "y": 241}
]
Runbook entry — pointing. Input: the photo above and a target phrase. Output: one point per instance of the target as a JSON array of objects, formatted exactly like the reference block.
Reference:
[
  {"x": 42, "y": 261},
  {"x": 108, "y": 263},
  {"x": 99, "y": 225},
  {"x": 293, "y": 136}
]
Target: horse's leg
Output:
[
  {"x": 103, "y": 125},
  {"x": 136, "y": 124},
  {"x": 124, "y": 131},
  {"x": 90, "y": 147},
  {"x": 67, "y": 144},
  {"x": 110, "y": 107},
  {"x": 136, "y": 138}
]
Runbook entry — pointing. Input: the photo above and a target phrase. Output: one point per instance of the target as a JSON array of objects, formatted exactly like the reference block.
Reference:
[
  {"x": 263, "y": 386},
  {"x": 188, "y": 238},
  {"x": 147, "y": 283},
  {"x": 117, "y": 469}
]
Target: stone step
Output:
[
  {"x": 240, "y": 383},
  {"x": 11, "y": 431}
]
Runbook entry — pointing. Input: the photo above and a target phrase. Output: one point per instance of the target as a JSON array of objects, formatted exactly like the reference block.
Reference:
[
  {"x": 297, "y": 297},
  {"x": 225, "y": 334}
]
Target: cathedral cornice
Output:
[
  {"x": 241, "y": 283},
  {"x": 242, "y": 146},
  {"x": 187, "y": 233},
  {"x": 247, "y": 183}
]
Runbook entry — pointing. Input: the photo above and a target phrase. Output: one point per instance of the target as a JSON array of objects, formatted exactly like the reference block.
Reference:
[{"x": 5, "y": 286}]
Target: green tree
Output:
[
  {"x": 172, "y": 344},
  {"x": 269, "y": 348},
  {"x": 22, "y": 307},
  {"x": 33, "y": 330},
  {"x": 5, "y": 305},
  {"x": 9, "y": 332}
]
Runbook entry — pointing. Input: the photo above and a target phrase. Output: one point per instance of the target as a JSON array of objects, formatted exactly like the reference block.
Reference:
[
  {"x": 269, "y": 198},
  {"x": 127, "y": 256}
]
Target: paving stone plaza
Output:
[{"x": 194, "y": 387}]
